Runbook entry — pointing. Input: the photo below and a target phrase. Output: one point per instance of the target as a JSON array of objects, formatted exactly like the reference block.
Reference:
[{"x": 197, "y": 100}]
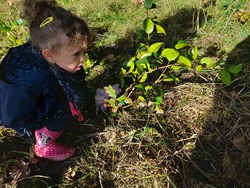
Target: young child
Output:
[{"x": 42, "y": 83}]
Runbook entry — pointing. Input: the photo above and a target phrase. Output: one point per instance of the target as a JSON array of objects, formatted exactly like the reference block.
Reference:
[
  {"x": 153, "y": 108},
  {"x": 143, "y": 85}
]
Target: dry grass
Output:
[{"x": 191, "y": 145}]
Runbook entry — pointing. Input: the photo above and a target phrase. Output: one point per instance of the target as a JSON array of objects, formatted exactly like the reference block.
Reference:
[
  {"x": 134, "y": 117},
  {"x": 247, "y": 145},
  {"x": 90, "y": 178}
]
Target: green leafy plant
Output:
[
  {"x": 225, "y": 74},
  {"x": 88, "y": 63},
  {"x": 11, "y": 27},
  {"x": 12, "y": 30},
  {"x": 115, "y": 101},
  {"x": 154, "y": 63}
]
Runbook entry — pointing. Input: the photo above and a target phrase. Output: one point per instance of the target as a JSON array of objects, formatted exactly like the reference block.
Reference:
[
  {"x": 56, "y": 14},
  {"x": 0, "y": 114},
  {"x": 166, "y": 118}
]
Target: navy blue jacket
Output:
[{"x": 30, "y": 95}]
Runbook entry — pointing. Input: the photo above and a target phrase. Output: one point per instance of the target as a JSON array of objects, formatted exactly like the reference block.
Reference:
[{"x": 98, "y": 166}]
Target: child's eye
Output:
[{"x": 77, "y": 53}]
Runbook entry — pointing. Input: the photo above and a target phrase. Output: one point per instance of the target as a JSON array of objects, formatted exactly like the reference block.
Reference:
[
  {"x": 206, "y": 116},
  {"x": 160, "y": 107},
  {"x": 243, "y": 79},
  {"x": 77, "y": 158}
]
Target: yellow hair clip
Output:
[{"x": 46, "y": 21}]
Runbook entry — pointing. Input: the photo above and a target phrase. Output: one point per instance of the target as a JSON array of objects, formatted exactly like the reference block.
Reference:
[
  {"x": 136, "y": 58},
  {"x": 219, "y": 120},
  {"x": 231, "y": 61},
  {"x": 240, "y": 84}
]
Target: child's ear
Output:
[{"x": 48, "y": 55}]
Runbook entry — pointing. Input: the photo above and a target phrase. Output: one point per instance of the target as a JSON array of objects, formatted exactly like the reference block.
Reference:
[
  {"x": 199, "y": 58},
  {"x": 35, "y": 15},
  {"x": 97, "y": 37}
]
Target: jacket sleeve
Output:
[{"x": 26, "y": 107}]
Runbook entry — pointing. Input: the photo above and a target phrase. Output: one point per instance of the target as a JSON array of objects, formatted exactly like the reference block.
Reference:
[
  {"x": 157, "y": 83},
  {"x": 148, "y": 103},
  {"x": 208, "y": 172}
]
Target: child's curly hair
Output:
[{"x": 65, "y": 28}]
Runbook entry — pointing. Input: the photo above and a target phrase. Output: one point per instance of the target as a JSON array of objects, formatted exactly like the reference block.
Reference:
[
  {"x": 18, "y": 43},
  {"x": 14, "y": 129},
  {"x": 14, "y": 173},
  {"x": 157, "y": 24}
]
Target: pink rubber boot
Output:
[{"x": 46, "y": 147}]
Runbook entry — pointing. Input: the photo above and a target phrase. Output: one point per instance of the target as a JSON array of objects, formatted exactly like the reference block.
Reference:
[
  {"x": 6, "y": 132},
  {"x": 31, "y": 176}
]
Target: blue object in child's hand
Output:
[{"x": 101, "y": 95}]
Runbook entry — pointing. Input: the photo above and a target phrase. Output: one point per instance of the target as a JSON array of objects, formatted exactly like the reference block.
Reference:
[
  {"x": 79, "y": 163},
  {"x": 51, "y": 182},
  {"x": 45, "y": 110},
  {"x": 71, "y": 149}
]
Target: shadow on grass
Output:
[{"x": 222, "y": 154}]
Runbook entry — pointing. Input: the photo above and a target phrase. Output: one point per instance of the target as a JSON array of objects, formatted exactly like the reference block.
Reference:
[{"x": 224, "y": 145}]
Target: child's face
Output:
[{"x": 69, "y": 57}]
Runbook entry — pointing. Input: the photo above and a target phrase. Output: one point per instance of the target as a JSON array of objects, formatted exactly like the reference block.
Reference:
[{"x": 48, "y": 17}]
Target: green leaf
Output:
[
  {"x": 152, "y": 132},
  {"x": 121, "y": 98},
  {"x": 19, "y": 21},
  {"x": 170, "y": 53},
  {"x": 170, "y": 78},
  {"x": 208, "y": 62},
  {"x": 145, "y": 130},
  {"x": 140, "y": 66},
  {"x": 148, "y": 4},
  {"x": 110, "y": 91},
  {"x": 128, "y": 100},
  {"x": 141, "y": 98},
  {"x": 198, "y": 68},
  {"x": 142, "y": 62},
  {"x": 88, "y": 63},
  {"x": 102, "y": 62},
  {"x": 148, "y": 88},
  {"x": 131, "y": 64},
  {"x": 12, "y": 39},
  {"x": 112, "y": 102},
  {"x": 195, "y": 52},
  {"x": 158, "y": 100},
  {"x": 139, "y": 86},
  {"x": 5, "y": 29},
  {"x": 144, "y": 77},
  {"x": 148, "y": 25},
  {"x": 141, "y": 53},
  {"x": 235, "y": 69},
  {"x": 176, "y": 67},
  {"x": 121, "y": 103},
  {"x": 13, "y": 25},
  {"x": 146, "y": 55},
  {"x": 155, "y": 47},
  {"x": 225, "y": 77},
  {"x": 180, "y": 44},
  {"x": 148, "y": 66},
  {"x": 160, "y": 29},
  {"x": 184, "y": 61},
  {"x": 18, "y": 42},
  {"x": 158, "y": 109},
  {"x": 122, "y": 71}
]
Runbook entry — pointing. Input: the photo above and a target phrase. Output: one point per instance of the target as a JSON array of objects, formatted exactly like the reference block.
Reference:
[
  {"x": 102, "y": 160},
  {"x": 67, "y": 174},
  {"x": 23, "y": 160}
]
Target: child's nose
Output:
[{"x": 82, "y": 58}]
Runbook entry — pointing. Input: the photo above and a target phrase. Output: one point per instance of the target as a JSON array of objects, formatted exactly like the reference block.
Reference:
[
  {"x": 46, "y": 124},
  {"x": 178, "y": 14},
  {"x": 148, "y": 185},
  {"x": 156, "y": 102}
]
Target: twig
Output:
[{"x": 100, "y": 179}]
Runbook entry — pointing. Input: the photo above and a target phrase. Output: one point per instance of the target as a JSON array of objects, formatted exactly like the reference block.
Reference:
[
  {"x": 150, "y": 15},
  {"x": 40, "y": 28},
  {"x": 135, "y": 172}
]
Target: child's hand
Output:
[
  {"x": 101, "y": 98},
  {"x": 75, "y": 112}
]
